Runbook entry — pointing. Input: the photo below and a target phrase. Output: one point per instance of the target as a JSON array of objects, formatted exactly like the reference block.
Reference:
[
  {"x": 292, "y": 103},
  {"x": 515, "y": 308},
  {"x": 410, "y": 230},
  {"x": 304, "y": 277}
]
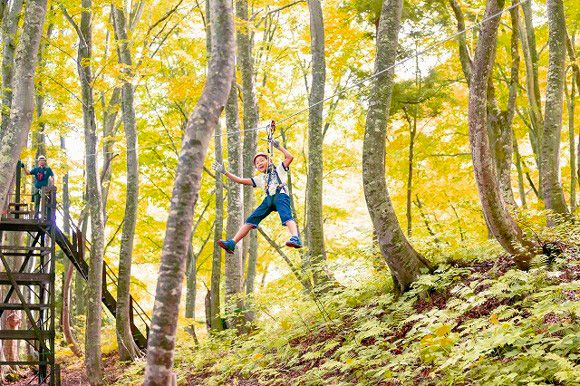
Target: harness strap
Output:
[{"x": 281, "y": 185}]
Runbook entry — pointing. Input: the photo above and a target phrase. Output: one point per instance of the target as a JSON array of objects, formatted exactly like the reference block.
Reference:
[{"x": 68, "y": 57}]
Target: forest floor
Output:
[{"x": 475, "y": 320}]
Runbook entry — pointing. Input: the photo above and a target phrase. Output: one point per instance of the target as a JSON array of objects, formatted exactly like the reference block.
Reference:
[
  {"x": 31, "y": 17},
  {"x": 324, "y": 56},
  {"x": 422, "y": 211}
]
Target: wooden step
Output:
[
  {"x": 17, "y": 204},
  {"x": 19, "y": 306},
  {"x": 24, "y": 335},
  {"x": 10, "y": 250},
  {"x": 24, "y": 248},
  {"x": 27, "y": 278},
  {"x": 21, "y": 212}
]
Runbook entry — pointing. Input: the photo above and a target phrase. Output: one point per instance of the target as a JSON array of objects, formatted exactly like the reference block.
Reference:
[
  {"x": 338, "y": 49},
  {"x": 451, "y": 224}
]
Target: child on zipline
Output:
[{"x": 276, "y": 200}]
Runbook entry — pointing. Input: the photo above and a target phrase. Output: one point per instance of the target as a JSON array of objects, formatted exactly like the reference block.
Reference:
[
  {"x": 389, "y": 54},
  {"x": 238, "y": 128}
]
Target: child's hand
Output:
[
  {"x": 274, "y": 143},
  {"x": 219, "y": 168}
]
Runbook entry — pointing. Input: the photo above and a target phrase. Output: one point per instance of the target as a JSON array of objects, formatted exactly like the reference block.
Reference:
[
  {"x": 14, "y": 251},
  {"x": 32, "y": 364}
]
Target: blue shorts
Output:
[{"x": 280, "y": 202}]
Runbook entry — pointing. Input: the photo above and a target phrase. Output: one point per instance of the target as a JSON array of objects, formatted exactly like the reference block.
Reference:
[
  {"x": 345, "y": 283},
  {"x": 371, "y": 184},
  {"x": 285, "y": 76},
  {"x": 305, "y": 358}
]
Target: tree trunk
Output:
[
  {"x": 9, "y": 28},
  {"x": 497, "y": 217},
  {"x": 550, "y": 157},
  {"x": 127, "y": 348},
  {"x": 530, "y": 54},
  {"x": 65, "y": 317},
  {"x": 250, "y": 122},
  {"x": 198, "y": 131},
  {"x": 315, "y": 256},
  {"x": 404, "y": 262},
  {"x": 570, "y": 104},
  {"x": 191, "y": 277},
  {"x": 94, "y": 284},
  {"x": 518, "y": 162},
  {"x": 499, "y": 122},
  {"x": 464, "y": 55},
  {"x": 504, "y": 147},
  {"x": 110, "y": 113},
  {"x": 215, "y": 300},
  {"x": 15, "y": 135},
  {"x": 234, "y": 267}
]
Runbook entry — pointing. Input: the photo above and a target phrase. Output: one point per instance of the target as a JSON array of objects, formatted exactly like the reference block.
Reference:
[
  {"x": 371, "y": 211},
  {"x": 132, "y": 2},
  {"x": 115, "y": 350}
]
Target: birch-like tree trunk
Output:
[
  {"x": 404, "y": 262},
  {"x": 93, "y": 361},
  {"x": 551, "y": 186},
  {"x": 530, "y": 55},
  {"x": 498, "y": 219},
  {"x": 9, "y": 29},
  {"x": 571, "y": 106},
  {"x": 127, "y": 348},
  {"x": 217, "y": 257},
  {"x": 250, "y": 122},
  {"x": 198, "y": 131},
  {"x": 315, "y": 256},
  {"x": 234, "y": 267},
  {"x": 499, "y": 124},
  {"x": 16, "y": 133}
]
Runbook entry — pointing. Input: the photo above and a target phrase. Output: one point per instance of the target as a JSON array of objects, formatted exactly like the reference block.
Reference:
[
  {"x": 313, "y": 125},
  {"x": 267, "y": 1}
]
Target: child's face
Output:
[{"x": 261, "y": 164}]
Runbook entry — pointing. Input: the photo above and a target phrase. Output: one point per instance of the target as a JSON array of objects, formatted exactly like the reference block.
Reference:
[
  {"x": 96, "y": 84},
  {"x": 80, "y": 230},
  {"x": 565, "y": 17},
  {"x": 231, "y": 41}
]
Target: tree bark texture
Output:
[
  {"x": 530, "y": 54},
  {"x": 14, "y": 137},
  {"x": 404, "y": 262},
  {"x": 198, "y": 131},
  {"x": 127, "y": 348},
  {"x": 499, "y": 122},
  {"x": 217, "y": 258},
  {"x": 550, "y": 157},
  {"x": 498, "y": 218},
  {"x": 250, "y": 123},
  {"x": 93, "y": 361},
  {"x": 570, "y": 104},
  {"x": 9, "y": 28},
  {"x": 315, "y": 256},
  {"x": 234, "y": 269}
]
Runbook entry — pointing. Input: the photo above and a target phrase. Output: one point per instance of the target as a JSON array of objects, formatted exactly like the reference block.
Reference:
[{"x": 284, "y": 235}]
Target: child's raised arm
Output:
[
  {"x": 288, "y": 157},
  {"x": 221, "y": 169}
]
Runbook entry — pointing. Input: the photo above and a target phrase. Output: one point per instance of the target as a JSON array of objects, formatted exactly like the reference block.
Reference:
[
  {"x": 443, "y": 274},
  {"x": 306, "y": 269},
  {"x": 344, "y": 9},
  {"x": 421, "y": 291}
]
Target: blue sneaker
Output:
[
  {"x": 294, "y": 242},
  {"x": 228, "y": 245}
]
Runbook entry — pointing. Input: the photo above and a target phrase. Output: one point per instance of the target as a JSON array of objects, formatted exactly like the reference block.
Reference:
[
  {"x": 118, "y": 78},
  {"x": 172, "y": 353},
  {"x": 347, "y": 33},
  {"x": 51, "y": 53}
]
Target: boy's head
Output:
[
  {"x": 261, "y": 162},
  {"x": 42, "y": 161}
]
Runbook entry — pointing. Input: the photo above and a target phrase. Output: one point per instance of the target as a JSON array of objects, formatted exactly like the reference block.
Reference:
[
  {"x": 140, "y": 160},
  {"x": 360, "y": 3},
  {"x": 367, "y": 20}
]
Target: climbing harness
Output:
[{"x": 271, "y": 170}]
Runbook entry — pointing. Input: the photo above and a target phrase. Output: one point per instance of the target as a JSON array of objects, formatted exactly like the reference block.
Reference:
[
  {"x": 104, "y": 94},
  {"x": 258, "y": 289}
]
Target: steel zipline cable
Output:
[{"x": 368, "y": 78}]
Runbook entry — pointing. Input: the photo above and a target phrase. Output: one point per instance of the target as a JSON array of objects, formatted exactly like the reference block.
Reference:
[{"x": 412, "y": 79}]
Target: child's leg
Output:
[
  {"x": 243, "y": 232},
  {"x": 292, "y": 227}
]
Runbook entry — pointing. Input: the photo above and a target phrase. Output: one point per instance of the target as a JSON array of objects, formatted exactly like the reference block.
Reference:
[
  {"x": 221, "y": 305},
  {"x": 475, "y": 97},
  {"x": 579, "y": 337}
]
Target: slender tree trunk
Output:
[
  {"x": 498, "y": 218},
  {"x": 65, "y": 317},
  {"x": 9, "y": 29},
  {"x": 215, "y": 316},
  {"x": 412, "y": 132},
  {"x": 530, "y": 54},
  {"x": 127, "y": 348},
  {"x": 499, "y": 122},
  {"x": 215, "y": 306},
  {"x": 504, "y": 147},
  {"x": 191, "y": 277},
  {"x": 521, "y": 187},
  {"x": 550, "y": 157},
  {"x": 95, "y": 281},
  {"x": 109, "y": 120},
  {"x": 570, "y": 104},
  {"x": 250, "y": 123},
  {"x": 464, "y": 55},
  {"x": 315, "y": 257},
  {"x": 234, "y": 267},
  {"x": 404, "y": 262},
  {"x": 15, "y": 135},
  {"x": 198, "y": 131}
]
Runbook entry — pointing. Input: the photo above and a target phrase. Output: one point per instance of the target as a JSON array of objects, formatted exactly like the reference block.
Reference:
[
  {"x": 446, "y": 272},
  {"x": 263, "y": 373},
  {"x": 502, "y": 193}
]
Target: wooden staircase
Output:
[{"x": 28, "y": 241}]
